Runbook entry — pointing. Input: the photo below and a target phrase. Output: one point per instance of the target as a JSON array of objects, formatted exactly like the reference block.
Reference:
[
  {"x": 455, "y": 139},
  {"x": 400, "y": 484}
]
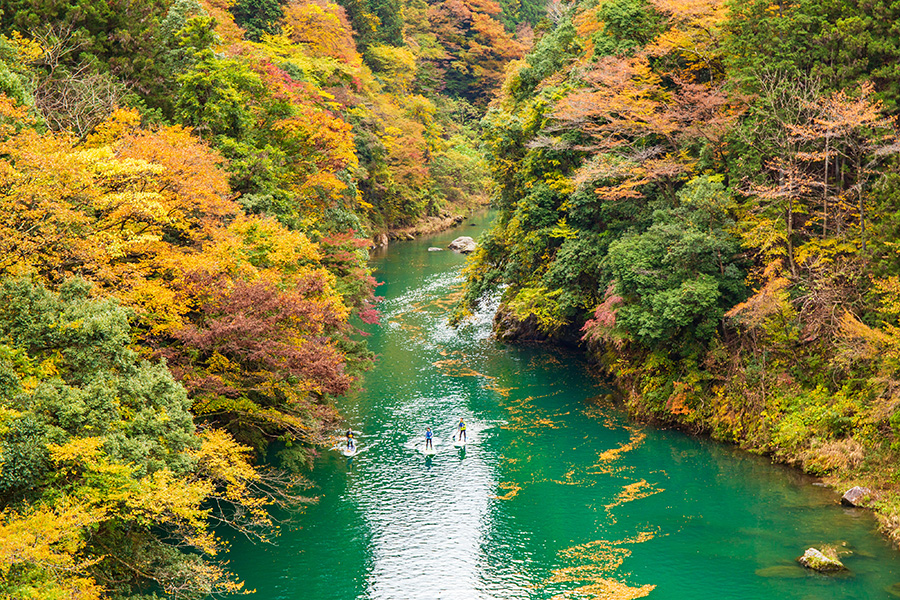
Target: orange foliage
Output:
[
  {"x": 320, "y": 146},
  {"x": 323, "y": 29},
  {"x": 771, "y": 300},
  {"x": 228, "y": 30}
]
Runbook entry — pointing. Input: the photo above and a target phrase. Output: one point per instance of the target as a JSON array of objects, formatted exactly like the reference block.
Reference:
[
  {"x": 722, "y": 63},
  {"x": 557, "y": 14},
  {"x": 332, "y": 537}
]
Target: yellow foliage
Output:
[
  {"x": 76, "y": 450},
  {"x": 694, "y": 32},
  {"x": 888, "y": 288},
  {"x": 396, "y": 64},
  {"x": 563, "y": 230},
  {"x": 122, "y": 121},
  {"x": 862, "y": 341},
  {"x": 540, "y": 302},
  {"x": 771, "y": 300},
  {"x": 766, "y": 235},
  {"x": 28, "y": 50},
  {"x": 48, "y": 540},
  {"x": 822, "y": 252},
  {"x": 222, "y": 459},
  {"x": 164, "y": 498}
]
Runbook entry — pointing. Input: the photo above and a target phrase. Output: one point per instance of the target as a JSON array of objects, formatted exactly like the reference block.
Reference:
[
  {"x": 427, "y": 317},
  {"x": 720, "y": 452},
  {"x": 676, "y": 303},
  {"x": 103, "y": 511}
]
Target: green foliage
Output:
[
  {"x": 258, "y": 17},
  {"x": 516, "y": 13},
  {"x": 98, "y": 450},
  {"x": 552, "y": 52},
  {"x": 843, "y": 43},
  {"x": 375, "y": 22},
  {"x": 120, "y": 38},
  {"x": 12, "y": 80},
  {"x": 74, "y": 375},
  {"x": 628, "y": 25},
  {"x": 679, "y": 276},
  {"x": 214, "y": 97}
]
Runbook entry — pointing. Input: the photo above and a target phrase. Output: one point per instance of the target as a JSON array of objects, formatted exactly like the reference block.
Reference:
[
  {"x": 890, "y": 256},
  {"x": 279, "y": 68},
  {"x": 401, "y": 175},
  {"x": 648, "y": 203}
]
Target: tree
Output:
[
  {"x": 100, "y": 452},
  {"x": 477, "y": 46},
  {"x": 258, "y": 17},
  {"x": 117, "y": 39},
  {"x": 675, "y": 280}
]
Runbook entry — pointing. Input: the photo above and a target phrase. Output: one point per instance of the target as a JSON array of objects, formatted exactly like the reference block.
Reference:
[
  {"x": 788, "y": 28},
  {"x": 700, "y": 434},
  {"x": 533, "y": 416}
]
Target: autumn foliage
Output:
[
  {"x": 703, "y": 194},
  {"x": 188, "y": 193}
]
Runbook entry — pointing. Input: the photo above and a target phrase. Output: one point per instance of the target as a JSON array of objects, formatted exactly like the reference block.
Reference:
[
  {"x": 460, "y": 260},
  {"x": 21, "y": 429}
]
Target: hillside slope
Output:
[{"x": 704, "y": 194}]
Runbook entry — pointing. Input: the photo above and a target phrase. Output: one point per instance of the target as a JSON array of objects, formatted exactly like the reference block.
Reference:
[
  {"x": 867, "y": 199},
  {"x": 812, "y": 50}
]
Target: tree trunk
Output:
[
  {"x": 825, "y": 193},
  {"x": 862, "y": 208}
]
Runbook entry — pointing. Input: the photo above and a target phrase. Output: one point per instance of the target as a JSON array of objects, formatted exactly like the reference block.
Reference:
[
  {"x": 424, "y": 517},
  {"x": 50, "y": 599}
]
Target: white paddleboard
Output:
[
  {"x": 428, "y": 451},
  {"x": 348, "y": 452},
  {"x": 460, "y": 443}
]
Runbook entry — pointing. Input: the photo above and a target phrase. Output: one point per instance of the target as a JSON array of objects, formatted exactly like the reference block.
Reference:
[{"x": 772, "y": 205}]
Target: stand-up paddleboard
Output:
[
  {"x": 350, "y": 451},
  {"x": 459, "y": 442},
  {"x": 428, "y": 451}
]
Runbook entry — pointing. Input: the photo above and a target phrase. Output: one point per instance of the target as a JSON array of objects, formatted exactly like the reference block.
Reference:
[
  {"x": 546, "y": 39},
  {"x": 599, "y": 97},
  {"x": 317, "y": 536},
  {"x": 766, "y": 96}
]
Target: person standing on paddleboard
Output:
[
  {"x": 462, "y": 430},
  {"x": 350, "y": 443},
  {"x": 428, "y": 436}
]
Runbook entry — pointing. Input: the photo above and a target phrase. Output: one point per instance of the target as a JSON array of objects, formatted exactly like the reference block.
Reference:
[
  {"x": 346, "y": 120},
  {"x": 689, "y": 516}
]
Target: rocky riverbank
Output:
[{"x": 426, "y": 226}]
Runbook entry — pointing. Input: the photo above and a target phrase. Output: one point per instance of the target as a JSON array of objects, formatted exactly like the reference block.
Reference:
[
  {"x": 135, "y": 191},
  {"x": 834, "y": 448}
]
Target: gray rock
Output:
[
  {"x": 435, "y": 249},
  {"x": 463, "y": 244},
  {"x": 855, "y": 496},
  {"x": 381, "y": 239},
  {"x": 817, "y": 561}
]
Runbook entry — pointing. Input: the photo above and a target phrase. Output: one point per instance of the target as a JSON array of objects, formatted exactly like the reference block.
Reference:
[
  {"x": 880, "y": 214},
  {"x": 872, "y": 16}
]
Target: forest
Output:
[
  {"x": 701, "y": 194},
  {"x": 704, "y": 195},
  {"x": 188, "y": 193}
]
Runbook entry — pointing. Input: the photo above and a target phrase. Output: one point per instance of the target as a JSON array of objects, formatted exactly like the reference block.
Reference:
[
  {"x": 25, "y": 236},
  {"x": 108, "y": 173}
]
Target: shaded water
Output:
[{"x": 557, "y": 495}]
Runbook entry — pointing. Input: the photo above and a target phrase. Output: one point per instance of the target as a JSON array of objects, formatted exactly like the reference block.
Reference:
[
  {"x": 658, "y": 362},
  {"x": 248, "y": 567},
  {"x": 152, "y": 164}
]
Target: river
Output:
[{"x": 557, "y": 494}]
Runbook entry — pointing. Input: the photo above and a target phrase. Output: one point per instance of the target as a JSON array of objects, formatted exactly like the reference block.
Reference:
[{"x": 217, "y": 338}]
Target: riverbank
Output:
[
  {"x": 725, "y": 408},
  {"x": 453, "y": 216},
  {"x": 847, "y": 463}
]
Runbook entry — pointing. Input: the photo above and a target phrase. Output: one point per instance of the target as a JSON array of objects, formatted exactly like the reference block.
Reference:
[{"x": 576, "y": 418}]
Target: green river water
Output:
[{"x": 557, "y": 495}]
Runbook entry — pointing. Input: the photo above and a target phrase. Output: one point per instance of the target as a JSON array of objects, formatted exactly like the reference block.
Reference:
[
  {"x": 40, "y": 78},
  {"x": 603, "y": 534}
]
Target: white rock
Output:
[{"x": 463, "y": 244}]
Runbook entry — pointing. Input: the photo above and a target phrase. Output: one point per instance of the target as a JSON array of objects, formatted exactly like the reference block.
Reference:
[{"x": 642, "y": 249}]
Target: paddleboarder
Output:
[
  {"x": 351, "y": 444},
  {"x": 462, "y": 430}
]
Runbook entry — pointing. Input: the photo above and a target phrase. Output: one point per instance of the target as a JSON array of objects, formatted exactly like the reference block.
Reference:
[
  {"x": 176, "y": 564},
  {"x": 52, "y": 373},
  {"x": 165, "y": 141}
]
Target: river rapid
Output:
[{"x": 557, "y": 494}]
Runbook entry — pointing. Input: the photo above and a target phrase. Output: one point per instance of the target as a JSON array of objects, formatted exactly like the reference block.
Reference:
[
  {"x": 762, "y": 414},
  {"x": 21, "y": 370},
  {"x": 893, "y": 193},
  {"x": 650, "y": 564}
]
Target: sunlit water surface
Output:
[{"x": 557, "y": 494}]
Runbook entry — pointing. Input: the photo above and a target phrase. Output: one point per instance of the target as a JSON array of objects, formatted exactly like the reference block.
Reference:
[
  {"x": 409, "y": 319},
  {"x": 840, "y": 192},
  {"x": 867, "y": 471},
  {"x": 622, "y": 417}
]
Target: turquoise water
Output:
[{"x": 557, "y": 494}]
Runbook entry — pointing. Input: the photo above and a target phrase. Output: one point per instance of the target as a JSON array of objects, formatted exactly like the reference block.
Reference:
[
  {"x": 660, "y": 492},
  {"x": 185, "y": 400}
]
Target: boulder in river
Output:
[
  {"x": 435, "y": 249},
  {"x": 856, "y": 496},
  {"x": 818, "y": 561},
  {"x": 463, "y": 244}
]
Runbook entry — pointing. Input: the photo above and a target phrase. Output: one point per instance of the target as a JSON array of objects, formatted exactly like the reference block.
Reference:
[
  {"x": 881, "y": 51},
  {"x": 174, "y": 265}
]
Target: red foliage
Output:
[
  {"x": 266, "y": 335},
  {"x": 282, "y": 86},
  {"x": 340, "y": 254},
  {"x": 601, "y": 326}
]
